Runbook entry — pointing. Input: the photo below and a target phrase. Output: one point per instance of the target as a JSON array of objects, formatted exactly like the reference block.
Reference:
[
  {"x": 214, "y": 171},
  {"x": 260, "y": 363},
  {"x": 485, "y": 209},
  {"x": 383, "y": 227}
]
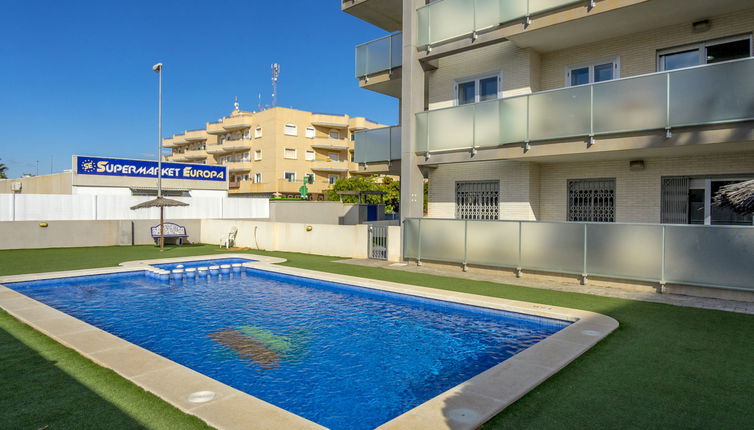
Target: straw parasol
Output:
[
  {"x": 738, "y": 196},
  {"x": 162, "y": 203}
]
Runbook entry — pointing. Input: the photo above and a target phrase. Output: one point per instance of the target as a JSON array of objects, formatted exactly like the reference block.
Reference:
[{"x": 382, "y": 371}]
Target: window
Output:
[
  {"x": 258, "y": 132},
  {"x": 257, "y": 178},
  {"x": 246, "y": 156},
  {"x": 708, "y": 52},
  {"x": 595, "y": 71},
  {"x": 478, "y": 200},
  {"x": 332, "y": 178},
  {"x": 257, "y": 155},
  {"x": 247, "y": 134},
  {"x": 289, "y": 153},
  {"x": 334, "y": 134},
  {"x": 687, "y": 200},
  {"x": 290, "y": 176},
  {"x": 310, "y": 132},
  {"x": 478, "y": 88},
  {"x": 591, "y": 200},
  {"x": 290, "y": 130},
  {"x": 309, "y": 156},
  {"x": 333, "y": 156}
]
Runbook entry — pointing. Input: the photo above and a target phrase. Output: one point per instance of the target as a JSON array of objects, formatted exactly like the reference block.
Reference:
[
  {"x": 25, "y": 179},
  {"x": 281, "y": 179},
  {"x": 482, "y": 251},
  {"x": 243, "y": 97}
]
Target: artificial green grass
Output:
[{"x": 665, "y": 367}]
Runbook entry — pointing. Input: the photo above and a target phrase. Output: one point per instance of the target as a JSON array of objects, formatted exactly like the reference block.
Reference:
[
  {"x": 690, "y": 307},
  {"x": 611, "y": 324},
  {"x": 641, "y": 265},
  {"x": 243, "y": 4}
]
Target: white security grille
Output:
[
  {"x": 591, "y": 200},
  {"x": 478, "y": 200},
  {"x": 675, "y": 201}
]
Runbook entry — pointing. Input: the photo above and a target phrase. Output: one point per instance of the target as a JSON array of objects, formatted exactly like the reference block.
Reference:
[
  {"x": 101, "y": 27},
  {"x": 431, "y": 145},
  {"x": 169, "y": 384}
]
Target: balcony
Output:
[
  {"x": 215, "y": 128},
  {"x": 376, "y": 64},
  {"x": 329, "y": 144},
  {"x": 236, "y": 123},
  {"x": 233, "y": 145},
  {"x": 451, "y": 26},
  {"x": 329, "y": 166},
  {"x": 703, "y": 95},
  {"x": 329, "y": 120},
  {"x": 195, "y": 135},
  {"x": 385, "y": 14},
  {"x": 238, "y": 166},
  {"x": 216, "y": 149},
  {"x": 378, "y": 150},
  {"x": 195, "y": 154}
]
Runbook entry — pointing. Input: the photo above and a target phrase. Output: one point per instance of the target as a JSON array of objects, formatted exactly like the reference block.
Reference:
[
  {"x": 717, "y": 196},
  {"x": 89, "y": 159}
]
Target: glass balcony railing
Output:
[
  {"x": 447, "y": 19},
  {"x": 710, "y": 94},
  {"x": 379, "y": 55},
  {"x": 378, "y": 144},
  {"x": 714, "y": 256}
]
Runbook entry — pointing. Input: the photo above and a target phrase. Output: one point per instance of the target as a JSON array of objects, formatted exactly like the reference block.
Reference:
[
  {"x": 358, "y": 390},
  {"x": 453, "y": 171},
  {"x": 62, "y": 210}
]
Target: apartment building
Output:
[
  {"x": 558, "y": 110},
  {"x": 271, "y": 153}
]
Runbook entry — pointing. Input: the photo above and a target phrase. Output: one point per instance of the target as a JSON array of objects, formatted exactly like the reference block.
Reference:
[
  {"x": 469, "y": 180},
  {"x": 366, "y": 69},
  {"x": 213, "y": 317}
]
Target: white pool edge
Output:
[{"x": 465, "y": 406}]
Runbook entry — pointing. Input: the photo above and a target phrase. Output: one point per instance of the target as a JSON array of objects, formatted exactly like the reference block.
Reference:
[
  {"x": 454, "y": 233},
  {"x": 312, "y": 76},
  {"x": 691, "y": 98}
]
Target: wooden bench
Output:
[{"x": 170, "y": 231}]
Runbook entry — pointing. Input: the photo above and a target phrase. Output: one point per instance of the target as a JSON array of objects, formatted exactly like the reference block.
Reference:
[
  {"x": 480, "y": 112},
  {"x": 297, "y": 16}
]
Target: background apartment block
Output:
[
  {"x": 270, "y": 153},
  {"x": 607, "y": 111}
]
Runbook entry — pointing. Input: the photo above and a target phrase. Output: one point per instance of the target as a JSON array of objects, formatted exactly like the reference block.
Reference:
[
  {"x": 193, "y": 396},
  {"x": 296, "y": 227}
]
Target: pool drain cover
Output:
[
  {"x": 201, "y": 397},
  {"x": 463, "y": 415}
]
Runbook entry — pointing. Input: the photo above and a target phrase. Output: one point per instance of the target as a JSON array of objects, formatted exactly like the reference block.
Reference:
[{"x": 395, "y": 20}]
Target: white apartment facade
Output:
[{"x": 600, "y": 111}]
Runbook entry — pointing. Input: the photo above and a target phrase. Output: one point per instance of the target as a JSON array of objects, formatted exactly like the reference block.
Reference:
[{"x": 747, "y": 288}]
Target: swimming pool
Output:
[
  {"x": 201, "y": 263},
  {"x": 339, "y": 355}
]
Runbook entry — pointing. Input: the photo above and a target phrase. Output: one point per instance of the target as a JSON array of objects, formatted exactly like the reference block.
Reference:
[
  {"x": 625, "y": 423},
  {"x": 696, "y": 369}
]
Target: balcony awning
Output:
[{"x": 330, "y": 169}]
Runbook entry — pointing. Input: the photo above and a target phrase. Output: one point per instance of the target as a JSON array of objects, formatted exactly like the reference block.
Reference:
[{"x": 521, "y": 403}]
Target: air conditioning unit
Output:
[{"x": 15, "y": 186}]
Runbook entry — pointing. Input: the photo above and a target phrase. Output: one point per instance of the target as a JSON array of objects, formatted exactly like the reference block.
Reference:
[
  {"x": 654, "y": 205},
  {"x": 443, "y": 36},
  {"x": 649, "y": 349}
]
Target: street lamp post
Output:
[{"x": 157, "y": 68}]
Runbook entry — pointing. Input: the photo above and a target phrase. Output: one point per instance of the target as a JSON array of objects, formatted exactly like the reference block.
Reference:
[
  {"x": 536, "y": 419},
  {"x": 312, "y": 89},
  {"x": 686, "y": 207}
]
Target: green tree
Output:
[
  {"x": 391, "y": 188},
  {"x": 3, "y": 169}
]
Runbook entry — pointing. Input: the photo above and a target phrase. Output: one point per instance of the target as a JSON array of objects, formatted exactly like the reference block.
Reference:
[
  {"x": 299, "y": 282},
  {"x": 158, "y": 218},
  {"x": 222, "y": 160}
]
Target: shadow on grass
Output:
[{"x": 39, "y": 395}]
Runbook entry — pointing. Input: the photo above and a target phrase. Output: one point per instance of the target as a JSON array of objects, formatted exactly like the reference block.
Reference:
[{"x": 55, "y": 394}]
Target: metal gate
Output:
[{"x": 378, "y": 242}]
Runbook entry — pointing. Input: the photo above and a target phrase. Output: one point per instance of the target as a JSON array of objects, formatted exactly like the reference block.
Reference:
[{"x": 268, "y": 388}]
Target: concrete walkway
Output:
[{"x": 563, "y": 284}]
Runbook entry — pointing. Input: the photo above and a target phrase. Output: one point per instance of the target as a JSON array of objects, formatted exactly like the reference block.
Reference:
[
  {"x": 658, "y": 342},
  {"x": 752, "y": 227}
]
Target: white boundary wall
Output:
[
  {"x": 83, "y": 207},
  {"x": 323, "y": 239}
]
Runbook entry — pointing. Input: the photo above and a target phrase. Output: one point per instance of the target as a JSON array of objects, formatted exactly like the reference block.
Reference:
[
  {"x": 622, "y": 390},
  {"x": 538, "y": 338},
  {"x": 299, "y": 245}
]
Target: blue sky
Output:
[{"x": 75, "y": 77}]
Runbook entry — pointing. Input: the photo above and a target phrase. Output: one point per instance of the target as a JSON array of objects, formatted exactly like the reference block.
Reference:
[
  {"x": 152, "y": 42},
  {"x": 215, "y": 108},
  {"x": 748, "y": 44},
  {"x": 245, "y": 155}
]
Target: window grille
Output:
[
  {"x": 478, "y": 200},
  {"x": 675, "y": 201},
  {"x": 591, "y": 200}
]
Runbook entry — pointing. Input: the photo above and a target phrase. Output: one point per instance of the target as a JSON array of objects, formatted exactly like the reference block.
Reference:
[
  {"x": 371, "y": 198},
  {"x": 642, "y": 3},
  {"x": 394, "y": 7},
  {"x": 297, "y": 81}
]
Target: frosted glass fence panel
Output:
[
  {"x": 487, "y": 123},
  {"x": 492, "y": 243},
  {"x": 451, "y": 128},
  {"x": 630, "y": 104},
  {"x": 422, "y": 132},
  {"x": 442, "y": 240},
  {"x": 395, "y": 142},
  {"x": 513, "y": 119},
  {"x": 379, "y": 144},
  {"x": 379, "y": 55},
  {"x": 721, "y": 92},
  {"x": 560, "y": 113},
  {"x": 714, "y": 255},
  {"x": 624, "y": 250},
  {"x": 556, "y": 247},
  {"x": 537, "y": 6},
  {"x": 449, "y": 19},
  {"x": 411, "y": 238},
  {"x": 422, "y": 18},
  {"x": 396, "y": 50}
]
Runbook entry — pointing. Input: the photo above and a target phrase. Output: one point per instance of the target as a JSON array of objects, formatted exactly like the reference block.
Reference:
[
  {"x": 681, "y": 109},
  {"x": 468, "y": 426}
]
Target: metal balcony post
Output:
[{"x": 668, "y": 131}]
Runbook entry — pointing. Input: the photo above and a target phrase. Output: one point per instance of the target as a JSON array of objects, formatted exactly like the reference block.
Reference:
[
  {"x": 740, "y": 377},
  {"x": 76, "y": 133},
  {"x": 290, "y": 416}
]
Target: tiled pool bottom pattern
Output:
[
  {"x": 344, "y": 357},
  {"x": 201, "y": 263}
]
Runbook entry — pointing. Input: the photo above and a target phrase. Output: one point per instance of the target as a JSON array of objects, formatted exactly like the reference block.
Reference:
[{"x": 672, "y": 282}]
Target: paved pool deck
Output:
[{"x": 645, "y": 294}]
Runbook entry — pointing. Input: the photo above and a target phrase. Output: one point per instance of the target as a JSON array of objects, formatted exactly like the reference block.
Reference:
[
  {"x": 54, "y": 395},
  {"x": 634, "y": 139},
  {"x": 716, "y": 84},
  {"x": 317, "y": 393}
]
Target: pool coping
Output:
[{"x": 465, "y": 406}]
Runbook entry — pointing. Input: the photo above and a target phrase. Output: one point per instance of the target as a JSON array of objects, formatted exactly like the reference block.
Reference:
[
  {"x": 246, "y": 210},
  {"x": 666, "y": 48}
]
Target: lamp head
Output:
[{"x": 157, "y": 68}]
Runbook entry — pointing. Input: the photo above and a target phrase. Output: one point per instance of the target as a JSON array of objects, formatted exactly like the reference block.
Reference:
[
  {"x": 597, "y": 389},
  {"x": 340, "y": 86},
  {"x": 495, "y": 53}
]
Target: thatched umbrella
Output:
[
  {"x": 738, "y": 196},
  {"x": 162, "y": 203}
]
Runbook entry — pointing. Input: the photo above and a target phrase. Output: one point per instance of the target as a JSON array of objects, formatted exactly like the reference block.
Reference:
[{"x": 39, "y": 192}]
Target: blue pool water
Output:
[
  {"x": 201, "y": 263},
  {"x": 345, "y": 357}
]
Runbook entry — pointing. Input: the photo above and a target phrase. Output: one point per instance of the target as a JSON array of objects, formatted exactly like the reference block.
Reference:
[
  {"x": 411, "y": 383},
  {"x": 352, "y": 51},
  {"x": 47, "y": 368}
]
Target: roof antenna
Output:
[
  {"x": 259, "y": 102},
  {"x": 275, "y": 73},
  {"x": 235, "y": 103}
]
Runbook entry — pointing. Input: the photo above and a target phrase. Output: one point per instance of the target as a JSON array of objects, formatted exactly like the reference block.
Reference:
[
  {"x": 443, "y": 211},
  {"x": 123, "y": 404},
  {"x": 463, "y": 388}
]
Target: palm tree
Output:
[{"x": 3, "y": 169}]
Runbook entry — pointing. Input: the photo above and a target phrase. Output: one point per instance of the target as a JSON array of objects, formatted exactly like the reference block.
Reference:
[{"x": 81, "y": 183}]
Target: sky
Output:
[{"x": 76, "y": 76}]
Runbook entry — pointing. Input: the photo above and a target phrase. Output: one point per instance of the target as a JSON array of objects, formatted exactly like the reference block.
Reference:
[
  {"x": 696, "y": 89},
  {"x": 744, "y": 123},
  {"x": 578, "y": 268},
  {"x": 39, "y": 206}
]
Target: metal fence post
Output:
[
  {"x": 519, "y": 269},
  {"x": 465, "y": 244},
  {"x": 661, "y": 289},
  {"x": 584, "y": 274},
  {"x": 419, "y": 245}
]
